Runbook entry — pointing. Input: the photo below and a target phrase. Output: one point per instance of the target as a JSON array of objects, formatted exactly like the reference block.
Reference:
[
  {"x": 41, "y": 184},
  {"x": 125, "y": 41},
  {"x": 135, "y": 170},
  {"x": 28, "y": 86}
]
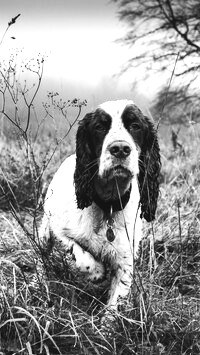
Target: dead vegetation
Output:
[{"x": 47, "y": 308}]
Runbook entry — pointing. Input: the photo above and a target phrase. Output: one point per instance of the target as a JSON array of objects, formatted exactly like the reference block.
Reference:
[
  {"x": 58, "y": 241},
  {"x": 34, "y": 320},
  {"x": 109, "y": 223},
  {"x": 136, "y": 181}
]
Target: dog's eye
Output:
[
  {"x": 100, "y": 127},
  {"x": 134, "y": 126}
]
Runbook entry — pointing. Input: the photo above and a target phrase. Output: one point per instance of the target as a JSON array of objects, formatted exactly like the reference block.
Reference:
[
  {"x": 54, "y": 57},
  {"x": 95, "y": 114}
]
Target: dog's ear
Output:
[
  {"x": 84, "y": 172},
  {"x": 149, "y": 171}
]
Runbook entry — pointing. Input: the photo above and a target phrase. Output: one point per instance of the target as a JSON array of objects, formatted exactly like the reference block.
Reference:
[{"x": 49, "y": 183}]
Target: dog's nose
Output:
[{"x": 120, "y": 149}]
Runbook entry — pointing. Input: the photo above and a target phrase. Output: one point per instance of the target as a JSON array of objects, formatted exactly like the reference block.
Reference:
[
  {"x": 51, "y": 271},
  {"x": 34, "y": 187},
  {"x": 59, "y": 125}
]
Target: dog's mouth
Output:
[
  {"x": 114, "y": 183},
  {"x": 121, "y": 171},
  {"x": 118, "y": 172}
]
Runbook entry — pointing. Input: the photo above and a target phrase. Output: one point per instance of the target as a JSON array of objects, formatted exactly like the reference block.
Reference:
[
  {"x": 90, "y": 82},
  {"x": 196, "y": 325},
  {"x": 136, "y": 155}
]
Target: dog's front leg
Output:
[
  {"x": 83, "y": 260},
  {"x": 120, "y": 287}
]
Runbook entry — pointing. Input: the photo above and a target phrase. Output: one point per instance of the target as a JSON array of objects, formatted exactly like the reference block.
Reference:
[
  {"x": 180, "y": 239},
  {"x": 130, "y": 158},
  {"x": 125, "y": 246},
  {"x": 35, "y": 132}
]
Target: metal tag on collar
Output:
[{"x": 109, "y": 233}]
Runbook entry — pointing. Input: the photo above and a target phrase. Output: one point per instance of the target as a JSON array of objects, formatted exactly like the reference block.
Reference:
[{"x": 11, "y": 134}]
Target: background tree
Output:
[
  {"x": 178, "y": 105},
  {"x": 165, "y": 31}
]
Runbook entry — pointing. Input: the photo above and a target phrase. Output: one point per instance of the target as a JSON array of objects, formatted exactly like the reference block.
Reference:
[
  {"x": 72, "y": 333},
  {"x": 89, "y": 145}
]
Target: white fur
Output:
[
  {"x": 118, "y": 133},
  {"x": 88, "y": 227}
]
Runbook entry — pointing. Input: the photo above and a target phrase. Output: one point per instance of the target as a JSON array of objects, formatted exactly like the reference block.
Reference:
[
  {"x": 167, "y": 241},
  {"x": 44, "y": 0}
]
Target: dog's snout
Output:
[{"x": 120, "y": 149}]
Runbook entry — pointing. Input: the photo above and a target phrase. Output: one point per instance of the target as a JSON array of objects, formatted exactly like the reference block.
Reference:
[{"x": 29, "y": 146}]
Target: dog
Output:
[{"x": 98, "y": 197}]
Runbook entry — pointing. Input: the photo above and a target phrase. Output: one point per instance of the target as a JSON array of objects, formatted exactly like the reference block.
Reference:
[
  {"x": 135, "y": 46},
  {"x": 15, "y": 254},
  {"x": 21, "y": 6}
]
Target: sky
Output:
[{"x": 78, "y": 39}]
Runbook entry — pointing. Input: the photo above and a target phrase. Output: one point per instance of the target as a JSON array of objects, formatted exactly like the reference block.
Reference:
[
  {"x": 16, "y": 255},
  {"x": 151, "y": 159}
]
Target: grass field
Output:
[{"x": 43, "y": 310}]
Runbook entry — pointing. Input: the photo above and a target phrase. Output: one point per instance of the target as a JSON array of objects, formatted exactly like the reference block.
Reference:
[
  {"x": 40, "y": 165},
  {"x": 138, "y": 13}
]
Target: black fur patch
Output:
[
  {"x": 145, "y": 136},
  {"x": 89, "y": 140}
]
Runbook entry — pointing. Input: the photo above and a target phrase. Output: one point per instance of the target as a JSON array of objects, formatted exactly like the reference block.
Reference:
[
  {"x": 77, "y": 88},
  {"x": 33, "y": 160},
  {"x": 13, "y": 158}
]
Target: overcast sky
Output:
[
  {"x": 77, "y": 35},
  {"x": 79, "y": 38}
]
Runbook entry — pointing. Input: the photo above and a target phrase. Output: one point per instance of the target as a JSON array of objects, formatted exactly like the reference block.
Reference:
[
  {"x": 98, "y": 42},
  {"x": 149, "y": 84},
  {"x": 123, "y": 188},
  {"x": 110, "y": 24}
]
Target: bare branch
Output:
[{"x": 169, "y": 26}]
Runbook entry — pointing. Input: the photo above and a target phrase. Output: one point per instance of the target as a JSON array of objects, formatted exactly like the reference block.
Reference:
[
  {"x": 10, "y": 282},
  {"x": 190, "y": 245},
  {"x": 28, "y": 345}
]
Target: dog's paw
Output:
[
  {"x": 108, "y": 325},
  {"x": 85, "y": 263},
  {"x": 96, "y": 271}
]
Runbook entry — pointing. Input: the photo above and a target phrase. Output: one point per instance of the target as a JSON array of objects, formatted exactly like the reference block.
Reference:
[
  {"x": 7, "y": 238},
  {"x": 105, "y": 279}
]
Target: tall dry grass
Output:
[{"x": 44, "y": 310}]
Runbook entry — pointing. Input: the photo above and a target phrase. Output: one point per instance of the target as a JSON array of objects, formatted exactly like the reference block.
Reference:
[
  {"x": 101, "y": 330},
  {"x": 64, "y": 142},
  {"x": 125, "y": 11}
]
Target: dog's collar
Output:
[
  {"x": 109, "y": 208},
  {"x": 115, "y": 205}
]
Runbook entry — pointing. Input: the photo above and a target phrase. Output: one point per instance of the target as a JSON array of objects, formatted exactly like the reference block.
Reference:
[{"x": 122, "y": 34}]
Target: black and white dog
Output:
[{"x": 98, "y": 197}]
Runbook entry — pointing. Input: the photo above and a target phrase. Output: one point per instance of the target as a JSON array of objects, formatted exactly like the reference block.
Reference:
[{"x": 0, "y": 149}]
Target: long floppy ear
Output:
[
  {"x": 149, "y": 171},
  {"x": 83, "y": 172}
]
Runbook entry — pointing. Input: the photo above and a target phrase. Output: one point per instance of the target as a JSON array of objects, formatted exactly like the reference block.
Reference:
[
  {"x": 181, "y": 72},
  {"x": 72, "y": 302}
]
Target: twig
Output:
[{"x": 10, "y": 23}]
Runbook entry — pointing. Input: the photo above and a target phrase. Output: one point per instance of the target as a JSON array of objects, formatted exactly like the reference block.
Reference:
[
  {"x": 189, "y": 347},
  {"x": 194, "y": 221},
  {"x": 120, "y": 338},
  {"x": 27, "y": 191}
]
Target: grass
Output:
[{"x": 43, "y": 310}]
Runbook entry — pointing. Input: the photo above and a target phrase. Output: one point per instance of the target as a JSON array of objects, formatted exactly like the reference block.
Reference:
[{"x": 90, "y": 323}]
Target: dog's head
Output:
[{"x": 114, "y": 144}]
